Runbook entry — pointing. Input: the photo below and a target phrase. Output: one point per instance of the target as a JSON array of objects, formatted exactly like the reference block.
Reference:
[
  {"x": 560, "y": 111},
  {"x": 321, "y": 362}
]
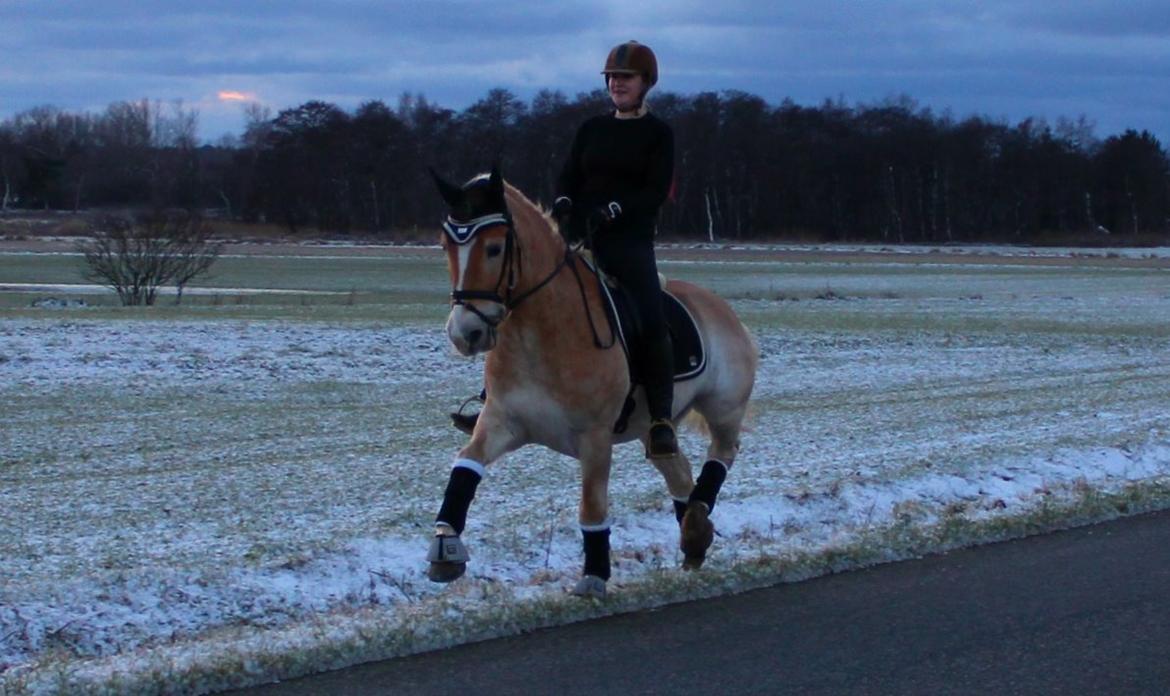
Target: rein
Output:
[{"x": 597, "y": 342}]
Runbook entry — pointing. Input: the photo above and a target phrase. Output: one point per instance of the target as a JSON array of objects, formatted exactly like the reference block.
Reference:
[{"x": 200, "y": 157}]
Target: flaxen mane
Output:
[{"x": 527, "y": 214}]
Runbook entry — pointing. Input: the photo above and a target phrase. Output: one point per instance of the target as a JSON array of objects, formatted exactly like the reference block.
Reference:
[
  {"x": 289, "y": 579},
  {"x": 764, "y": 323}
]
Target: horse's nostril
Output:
[{"x": 474, "y": 336}]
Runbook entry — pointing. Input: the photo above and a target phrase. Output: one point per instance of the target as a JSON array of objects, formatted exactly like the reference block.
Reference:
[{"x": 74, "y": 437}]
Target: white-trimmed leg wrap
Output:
[
  {"x": 596, "y": 542},
  {"x": 465, "y": 478},
  {"x": 470, "y": 464},
  {"x": 720, "y": 462},
  {"x": 709, "y": 482},
  {"x": 599, "y": 527}
]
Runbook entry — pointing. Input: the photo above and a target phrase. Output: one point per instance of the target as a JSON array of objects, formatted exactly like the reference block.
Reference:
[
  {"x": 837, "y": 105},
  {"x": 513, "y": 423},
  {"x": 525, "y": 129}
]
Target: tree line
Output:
[{"x": 890, "y": 172}]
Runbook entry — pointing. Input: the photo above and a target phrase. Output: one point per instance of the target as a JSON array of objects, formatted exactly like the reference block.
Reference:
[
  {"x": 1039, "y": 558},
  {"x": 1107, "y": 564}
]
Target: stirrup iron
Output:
[
  {"x": 662, "y": 441},
  {"x": 465, "y": 423}
]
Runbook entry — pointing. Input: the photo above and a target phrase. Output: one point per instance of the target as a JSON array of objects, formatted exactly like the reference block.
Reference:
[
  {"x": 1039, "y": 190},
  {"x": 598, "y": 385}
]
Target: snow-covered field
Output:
[
  {"x": 195, "y": 502},
  {"x": 1001, "y": 250}
]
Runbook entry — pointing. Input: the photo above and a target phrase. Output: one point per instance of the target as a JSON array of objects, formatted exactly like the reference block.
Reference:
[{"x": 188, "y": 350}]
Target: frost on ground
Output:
[{"x": 190, "y": 505}]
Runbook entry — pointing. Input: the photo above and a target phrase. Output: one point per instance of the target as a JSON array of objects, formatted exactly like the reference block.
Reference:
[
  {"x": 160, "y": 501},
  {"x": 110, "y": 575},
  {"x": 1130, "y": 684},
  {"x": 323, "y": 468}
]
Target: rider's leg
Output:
[{"x": 635, "y": 268}]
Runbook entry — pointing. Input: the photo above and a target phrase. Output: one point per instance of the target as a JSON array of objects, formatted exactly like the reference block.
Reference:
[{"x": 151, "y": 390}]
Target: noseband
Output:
[{"x": 461, "y": 233}]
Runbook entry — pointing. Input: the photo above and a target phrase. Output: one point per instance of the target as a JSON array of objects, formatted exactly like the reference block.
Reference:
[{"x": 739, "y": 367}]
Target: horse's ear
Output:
[
  {"x": 496, "y": 181},
  {"x": 451, "y": 193}
]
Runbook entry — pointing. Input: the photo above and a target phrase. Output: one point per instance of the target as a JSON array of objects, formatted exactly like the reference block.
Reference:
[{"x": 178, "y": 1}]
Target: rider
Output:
[{"x": 617, "y": 176}]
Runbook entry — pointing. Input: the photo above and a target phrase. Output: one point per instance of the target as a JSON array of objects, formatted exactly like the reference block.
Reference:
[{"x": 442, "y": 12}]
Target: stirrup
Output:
[
  {"x": 465, "y": 422},
  {"x": 662, "y": 442}
]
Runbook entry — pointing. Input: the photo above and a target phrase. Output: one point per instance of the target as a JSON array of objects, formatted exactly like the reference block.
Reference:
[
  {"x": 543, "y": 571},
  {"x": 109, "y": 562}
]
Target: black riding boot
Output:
[{"x": 658, "y": 378}]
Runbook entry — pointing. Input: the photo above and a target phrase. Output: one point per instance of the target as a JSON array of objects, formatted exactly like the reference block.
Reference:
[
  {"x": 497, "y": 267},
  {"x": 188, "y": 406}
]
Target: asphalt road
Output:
[{"x": 1085, "y": 611}]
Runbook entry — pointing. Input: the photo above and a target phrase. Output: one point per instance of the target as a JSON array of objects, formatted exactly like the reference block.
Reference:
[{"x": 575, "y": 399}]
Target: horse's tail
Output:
[
  {"x": 696, "y": 422},
  {"x": 736, "y": 352}
]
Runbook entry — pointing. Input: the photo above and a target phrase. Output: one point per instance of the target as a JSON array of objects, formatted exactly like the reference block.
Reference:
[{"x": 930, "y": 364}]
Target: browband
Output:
[{"x": 462, "y": 232}]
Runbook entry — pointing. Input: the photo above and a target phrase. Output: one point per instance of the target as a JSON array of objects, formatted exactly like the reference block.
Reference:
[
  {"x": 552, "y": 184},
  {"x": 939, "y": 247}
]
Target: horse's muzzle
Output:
[{"x": 468, "y": 332}]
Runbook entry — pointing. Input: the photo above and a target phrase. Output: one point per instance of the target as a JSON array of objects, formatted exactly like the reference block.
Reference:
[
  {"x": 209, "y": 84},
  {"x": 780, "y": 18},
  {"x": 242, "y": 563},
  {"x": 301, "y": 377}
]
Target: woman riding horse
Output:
[
  {"x": 617, "y": 175},
  {"x": 520, "y": 295}
]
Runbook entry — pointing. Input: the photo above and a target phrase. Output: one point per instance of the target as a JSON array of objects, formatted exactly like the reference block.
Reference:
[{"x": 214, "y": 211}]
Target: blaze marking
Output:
[{"x": 464, "y": 257}]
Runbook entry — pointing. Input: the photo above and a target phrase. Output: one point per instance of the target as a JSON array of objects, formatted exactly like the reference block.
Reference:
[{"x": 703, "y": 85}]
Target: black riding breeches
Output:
[{"x": 630, "y": 260}]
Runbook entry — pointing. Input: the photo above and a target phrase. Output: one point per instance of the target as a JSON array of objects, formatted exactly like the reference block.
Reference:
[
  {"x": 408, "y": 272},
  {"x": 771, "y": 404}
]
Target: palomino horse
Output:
[{"x": 523, "y": 297}]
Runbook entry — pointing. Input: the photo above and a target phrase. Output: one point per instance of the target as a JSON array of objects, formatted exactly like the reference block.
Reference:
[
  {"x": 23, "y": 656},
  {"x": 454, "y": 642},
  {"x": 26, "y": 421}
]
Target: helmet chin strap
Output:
[{"x": 638, "y": 110}]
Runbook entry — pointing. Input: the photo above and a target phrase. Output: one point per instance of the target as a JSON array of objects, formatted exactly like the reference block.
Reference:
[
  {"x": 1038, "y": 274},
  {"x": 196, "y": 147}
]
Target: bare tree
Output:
[
  {"x": 194, "y": 252},
  {"x": 137, "y": 257}
]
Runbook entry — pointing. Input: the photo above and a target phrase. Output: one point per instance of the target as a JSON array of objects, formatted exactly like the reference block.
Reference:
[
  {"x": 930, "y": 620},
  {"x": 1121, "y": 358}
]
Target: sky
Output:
[{"x": 1009, "y": 60}]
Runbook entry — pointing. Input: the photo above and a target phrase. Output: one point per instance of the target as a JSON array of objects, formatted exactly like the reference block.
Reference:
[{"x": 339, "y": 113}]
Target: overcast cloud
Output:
[{"x": 1108, "y": 61}]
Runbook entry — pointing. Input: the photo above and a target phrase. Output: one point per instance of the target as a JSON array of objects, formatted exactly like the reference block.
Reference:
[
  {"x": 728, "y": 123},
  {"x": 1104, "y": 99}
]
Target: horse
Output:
[{"x": 524, "y": 297}]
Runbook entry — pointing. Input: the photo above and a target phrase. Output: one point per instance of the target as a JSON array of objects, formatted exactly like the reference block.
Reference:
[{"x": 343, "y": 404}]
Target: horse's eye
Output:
[{"x": 494, "y": 250}]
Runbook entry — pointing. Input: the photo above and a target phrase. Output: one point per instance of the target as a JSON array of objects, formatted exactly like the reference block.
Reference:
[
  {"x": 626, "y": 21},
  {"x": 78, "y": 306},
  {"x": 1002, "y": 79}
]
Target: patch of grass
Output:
[
  {"x": 377, "y": 288},
  {"x": 829, "y": 294},
  {"x": 373, "y": 286}
]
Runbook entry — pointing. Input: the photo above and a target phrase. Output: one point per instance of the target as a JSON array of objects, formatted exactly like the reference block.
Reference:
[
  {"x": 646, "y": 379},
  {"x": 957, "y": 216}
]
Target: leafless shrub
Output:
[{"x": 135, "y": 257}]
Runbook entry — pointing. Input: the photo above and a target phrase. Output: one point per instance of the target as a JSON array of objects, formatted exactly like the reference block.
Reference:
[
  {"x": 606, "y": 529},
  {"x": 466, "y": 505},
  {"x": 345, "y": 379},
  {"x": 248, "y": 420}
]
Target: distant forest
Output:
[{"x": 890, "y": 172}]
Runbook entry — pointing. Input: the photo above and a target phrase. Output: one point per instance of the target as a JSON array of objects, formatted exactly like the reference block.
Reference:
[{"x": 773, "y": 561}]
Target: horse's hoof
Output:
[
  {"x": 590, "y": 586},
  {"x": 446, "y": 572},
  {"x": 696, "y": 535},
  {"x": 448, "y": 558}
]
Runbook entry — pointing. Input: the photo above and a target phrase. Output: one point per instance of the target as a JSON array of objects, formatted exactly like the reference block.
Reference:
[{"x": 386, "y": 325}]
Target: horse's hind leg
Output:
[
  {"x": 679, "y": 480},
  {"x": 696, "y": 530}
]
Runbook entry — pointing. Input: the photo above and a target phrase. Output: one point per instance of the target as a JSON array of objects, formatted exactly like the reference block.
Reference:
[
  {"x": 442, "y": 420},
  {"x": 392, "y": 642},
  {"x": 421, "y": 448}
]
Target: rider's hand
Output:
[
  {"x": 604, "y": 215},
  {"x": 562, "y": 209}
]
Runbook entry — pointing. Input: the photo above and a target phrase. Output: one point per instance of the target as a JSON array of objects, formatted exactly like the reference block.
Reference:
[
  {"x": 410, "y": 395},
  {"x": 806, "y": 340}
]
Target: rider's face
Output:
[{"x": 626, "y": 90}]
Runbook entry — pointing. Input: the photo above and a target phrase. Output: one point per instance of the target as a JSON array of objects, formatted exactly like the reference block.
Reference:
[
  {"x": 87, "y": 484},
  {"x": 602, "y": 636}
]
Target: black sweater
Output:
[{"x": 630, "y": 161}]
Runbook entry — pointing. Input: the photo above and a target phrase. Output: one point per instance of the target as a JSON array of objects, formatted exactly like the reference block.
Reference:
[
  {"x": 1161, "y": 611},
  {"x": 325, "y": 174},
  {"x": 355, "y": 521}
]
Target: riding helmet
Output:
[{"x": 632, "y": 58}]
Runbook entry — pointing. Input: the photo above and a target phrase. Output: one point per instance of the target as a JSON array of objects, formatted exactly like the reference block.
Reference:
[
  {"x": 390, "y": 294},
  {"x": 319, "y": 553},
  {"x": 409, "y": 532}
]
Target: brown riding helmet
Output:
[{"x": 632, "y": 58}]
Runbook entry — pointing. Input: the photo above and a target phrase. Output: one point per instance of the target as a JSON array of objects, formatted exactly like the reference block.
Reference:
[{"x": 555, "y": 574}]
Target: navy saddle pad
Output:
[{"x": 690, "y": 356}]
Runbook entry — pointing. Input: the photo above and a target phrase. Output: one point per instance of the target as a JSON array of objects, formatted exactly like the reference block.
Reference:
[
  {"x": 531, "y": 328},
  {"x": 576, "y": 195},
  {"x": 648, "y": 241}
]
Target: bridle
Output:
[{"x": 463, "y": 232}]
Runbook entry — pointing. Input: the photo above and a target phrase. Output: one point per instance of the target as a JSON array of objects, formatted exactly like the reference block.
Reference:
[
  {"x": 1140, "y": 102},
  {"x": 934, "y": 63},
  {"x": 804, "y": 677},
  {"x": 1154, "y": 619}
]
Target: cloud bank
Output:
[{"x": 1107, "y": 61}]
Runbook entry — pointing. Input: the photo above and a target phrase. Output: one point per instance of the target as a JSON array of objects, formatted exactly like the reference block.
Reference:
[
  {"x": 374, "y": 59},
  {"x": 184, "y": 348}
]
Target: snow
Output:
[
  {"x": 218, "y": 502},
  {"x": 1007, "y": 250},
  {"x": 91, "y": 289},
  {"x": 950, "y": 249}
]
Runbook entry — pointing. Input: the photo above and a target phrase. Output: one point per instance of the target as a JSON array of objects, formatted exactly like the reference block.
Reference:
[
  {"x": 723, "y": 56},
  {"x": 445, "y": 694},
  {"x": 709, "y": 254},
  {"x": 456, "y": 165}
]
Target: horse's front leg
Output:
[
  {"x": 595, "y": 454},
  {"x": 492, "y": 439}
]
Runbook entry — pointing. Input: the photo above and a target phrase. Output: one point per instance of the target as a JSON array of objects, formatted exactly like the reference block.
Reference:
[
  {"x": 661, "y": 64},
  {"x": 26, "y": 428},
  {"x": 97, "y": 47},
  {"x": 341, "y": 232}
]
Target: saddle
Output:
[{"x": 690, "y": 355}]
